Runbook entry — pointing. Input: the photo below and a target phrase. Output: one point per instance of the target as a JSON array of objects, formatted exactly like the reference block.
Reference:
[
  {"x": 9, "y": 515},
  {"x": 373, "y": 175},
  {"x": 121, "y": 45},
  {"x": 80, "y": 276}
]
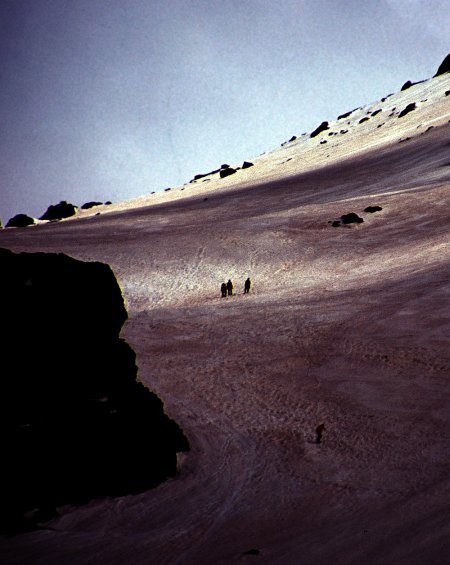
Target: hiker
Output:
[
  {"x": 230, "y": 287},
  {"x": 319, "y": 431},
  {"x": 223, "y": 289},
  {"x": 247, "y": 285}
]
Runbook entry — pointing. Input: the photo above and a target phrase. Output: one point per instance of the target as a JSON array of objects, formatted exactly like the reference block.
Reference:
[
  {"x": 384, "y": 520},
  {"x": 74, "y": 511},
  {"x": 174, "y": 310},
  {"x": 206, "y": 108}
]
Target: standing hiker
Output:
[
  {"x": 230, "y": 287},
  {"x": 223, "y": 289},
  {"x": 247, "y": 285},
  {"x": 319, "y": 431}
]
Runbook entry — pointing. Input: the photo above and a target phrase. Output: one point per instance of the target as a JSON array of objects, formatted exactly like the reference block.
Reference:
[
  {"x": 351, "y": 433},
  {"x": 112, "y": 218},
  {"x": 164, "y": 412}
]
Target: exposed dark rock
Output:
[
  {"x": 322, "y": 142},
  {"x": 108, "y": 202},
  {"x": 407, "y": 85},
  {"x": 252, "y": 552},
  {"x": 346, "y": 115},
  {"x": 75, "y": 423},
  {"x": 224, "y": 166},
  {"x": 59, "y": 211},
  {"x": 444, "y": 67},
  {"x": 362, "y": 120},
  {"x": 323, "y": 126},
  {"x": 336, "y": 223},
  {"x": 407, "y": 109},
  {"x": 343, "y": 131},
  {"x": 404, "y": 139},
  {"x": 90, "y": 205},
  {"x": 293, "y": 138},
  {"x": 167, "y": 189},
  {"x": 372, "y": 209},
  {"x": 447, "y": 92},
  {"x": 20, "y": 221},
  {"x": 227, "y": 172},
  {"x": 247, "y": 164},
  {"x": 375, "y": 112},
  {"x": 381, "y": 125},
  {"x": 351, "y": 218}
]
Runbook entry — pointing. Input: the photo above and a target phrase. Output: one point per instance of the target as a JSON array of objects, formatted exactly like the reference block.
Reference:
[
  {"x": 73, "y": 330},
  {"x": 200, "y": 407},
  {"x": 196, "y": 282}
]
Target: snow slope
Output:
[{"x": 348, "y": 326}]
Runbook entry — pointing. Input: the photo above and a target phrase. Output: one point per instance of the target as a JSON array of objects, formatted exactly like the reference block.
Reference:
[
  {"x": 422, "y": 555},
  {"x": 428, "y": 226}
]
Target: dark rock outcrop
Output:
[
  {"x": 75, "y": 423},
  {"x": 323, "y": 126},
  {"x": 88, "y": 205},
  {"x": 407, "y": 109},
  {"x": 226, "y": 172},
  {"x": 362, "y": 120},
  {"x": 407, "y": 85},
  {"x": 444, "y": 67},
  {"x": 372, "y": 209},
  {"x": 20, "y": 221},
  {"x": 246, "y": 165},
  {"x": 59, "y": 211},
  {"x": 375, "y": 112},
  {"x": 351, "y": 218}
]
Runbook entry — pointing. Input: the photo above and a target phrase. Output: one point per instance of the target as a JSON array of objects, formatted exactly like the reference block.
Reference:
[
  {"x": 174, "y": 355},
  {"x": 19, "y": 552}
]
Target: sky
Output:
[{"x": 113, "y": 99}]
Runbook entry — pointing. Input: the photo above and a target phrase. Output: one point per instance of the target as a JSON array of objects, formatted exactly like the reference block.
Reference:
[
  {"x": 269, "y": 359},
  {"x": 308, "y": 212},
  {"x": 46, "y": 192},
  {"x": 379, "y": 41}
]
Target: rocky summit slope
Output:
[{"x": 345, "y": 325}]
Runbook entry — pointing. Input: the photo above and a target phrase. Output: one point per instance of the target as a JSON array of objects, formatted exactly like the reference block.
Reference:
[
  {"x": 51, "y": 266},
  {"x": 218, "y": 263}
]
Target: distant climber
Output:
[
  {"x": 230, "y": 287},
  {"x": 247, "y": 285},
  {"x": 223, "y": 289},
  {"x": 319, "y": 431}
]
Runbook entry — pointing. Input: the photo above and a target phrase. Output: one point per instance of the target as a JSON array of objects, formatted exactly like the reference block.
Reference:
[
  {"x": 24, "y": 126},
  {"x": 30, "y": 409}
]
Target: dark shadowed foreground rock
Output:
[
  {"x": 372, "y": 209},
  {"x": 444, "y": 67},
  {"x": 75, "y": 423},
  {"x": 59, "y": 211},
  {"x": 20, "y": 221}
]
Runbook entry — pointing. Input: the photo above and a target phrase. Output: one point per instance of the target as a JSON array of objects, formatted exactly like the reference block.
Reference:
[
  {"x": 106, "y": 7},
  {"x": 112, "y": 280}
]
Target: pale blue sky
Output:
[{"x": 111, "y": 99}]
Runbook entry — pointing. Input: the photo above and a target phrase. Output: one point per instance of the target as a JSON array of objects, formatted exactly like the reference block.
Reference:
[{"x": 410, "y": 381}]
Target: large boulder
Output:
[
  {"x": 75, "y": 423},
  {"x": 20, "y": 221},
  {"x": 444, "y": 67},
  {"x": 59, "y": 211}
]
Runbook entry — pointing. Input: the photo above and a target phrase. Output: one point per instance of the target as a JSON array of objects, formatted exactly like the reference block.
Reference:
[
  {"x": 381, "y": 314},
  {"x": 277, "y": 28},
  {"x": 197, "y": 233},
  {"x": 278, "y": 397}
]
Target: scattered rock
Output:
[
  {"x": 247, "y": 164},
  {"x": 407, "y": 109},
  {"x": 323, "y": 126},
  {"x": 336, "y": 223},
  {"x": 167, "y": 189},
  {"x": 252, "y": 552},
  {"x": 59, "y": 211},
  {"x": 322, "y": 142},
  {"x": 351, "y": 218},
  {"x": 447, "y": 92},
  {"x": 347, "y": 114},
  {"x": 226, "y": 172},
  {"x": 404, "y": 139},
  {"x": 408, "y": 84},
  {"x": 108, "y": 203},
  {"x": 362, "y": 120},
  {"x": 20, "y": 221},
  {"x": 88, "y": 205},
  {"x": 376, "y": 112},
  {"x": 293, "y": 138},
  {"x": 224, "y": 166},
  {"x": 380, "y": 125},
  {"x": 343, "y": 131},
  {"x": 372, "y": 209},
  {"x": 444, "y": 67}
]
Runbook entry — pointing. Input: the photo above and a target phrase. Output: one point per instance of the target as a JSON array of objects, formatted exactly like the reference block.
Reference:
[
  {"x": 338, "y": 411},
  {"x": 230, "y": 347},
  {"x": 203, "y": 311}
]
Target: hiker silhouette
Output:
[
  {"x": 230, "y": 287},
  {"x": 223, "y": 289},
  {"x": 319, "y": 431},
  {"x": 247, "y": 285}
]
